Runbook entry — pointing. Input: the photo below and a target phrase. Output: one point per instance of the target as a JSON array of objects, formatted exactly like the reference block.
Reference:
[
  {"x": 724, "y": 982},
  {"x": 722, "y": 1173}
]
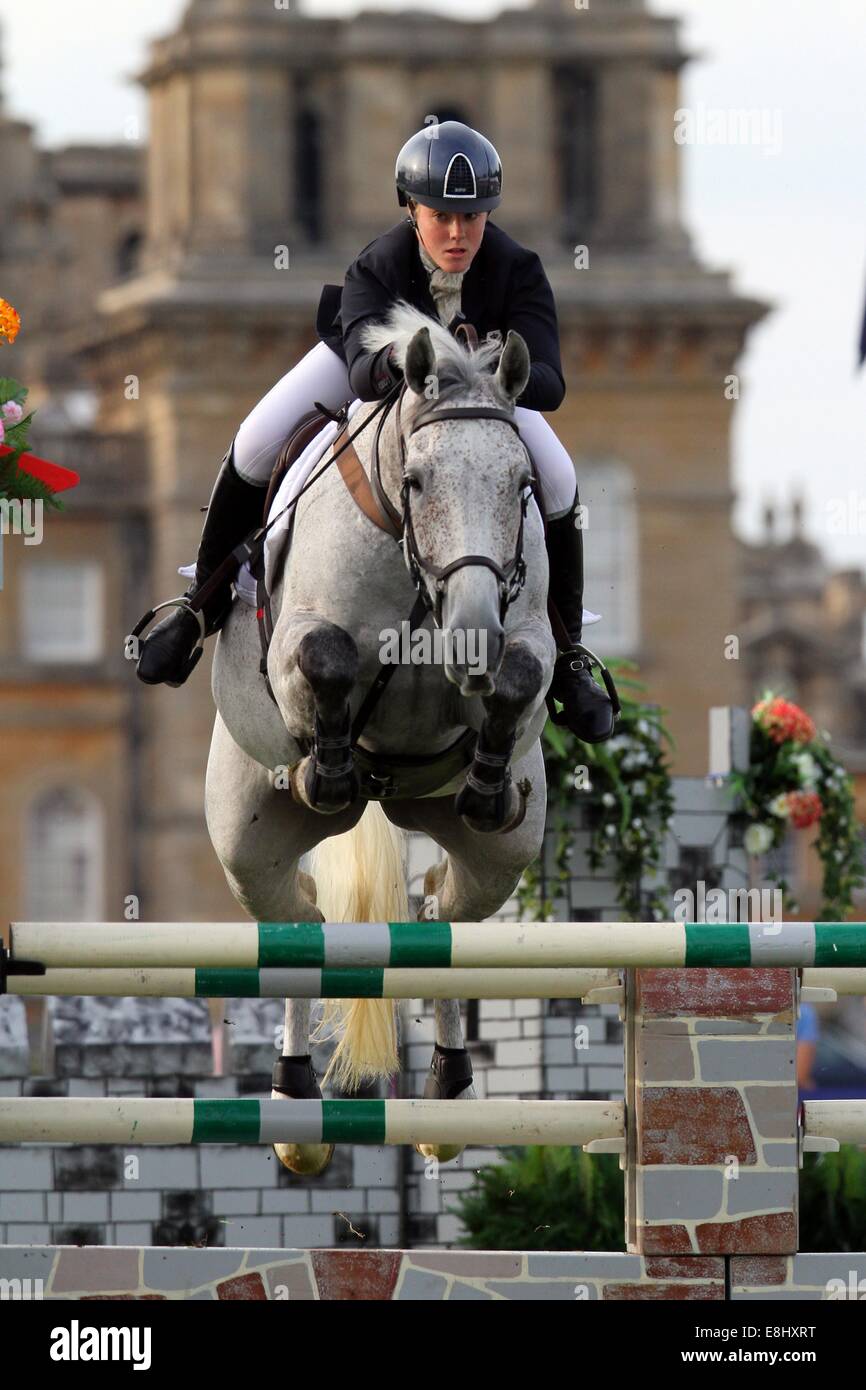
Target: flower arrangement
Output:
[
  {"x": 10, "y": 321},
  {"x": 793, "y": 781},
  {"x": 23, "y": 476},
  {"x": 626, "y": 785}
]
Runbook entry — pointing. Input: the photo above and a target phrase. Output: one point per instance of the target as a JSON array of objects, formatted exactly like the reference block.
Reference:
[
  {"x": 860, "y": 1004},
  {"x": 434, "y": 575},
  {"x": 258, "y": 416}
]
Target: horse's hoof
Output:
[
  {"x": 307, "y": 1160},
  {"x": 325, "y": 795},
  {"x": 443, "y": 1152},
  {"x": 491, "y": 815}
]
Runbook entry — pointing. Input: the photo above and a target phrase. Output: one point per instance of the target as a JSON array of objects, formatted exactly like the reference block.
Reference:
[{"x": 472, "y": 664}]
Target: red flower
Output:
[
  {"x": 783, "y": 721},
  {"x": 804, "y": 809}
]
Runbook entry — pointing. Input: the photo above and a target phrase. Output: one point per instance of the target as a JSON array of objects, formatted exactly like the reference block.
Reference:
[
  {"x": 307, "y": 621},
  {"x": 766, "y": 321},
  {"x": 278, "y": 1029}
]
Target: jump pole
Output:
[
  {"x": 429, "y": 945},
  {"x": 121, "y": 1121},
  {"x": 177, "y": 982}
]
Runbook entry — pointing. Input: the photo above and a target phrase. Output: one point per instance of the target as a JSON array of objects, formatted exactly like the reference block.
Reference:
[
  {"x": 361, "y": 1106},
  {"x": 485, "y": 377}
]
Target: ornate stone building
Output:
[{"x": 177, "y": 294}]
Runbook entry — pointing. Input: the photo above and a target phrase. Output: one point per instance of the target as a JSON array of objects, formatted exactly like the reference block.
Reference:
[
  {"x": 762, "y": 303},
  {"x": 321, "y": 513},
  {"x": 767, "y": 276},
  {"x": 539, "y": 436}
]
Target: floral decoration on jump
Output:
[{"x": 795, "y": 782}]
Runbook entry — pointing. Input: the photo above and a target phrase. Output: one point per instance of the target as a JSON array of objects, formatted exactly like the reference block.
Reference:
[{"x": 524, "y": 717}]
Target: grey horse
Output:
[{"x": 281, "y": 776}]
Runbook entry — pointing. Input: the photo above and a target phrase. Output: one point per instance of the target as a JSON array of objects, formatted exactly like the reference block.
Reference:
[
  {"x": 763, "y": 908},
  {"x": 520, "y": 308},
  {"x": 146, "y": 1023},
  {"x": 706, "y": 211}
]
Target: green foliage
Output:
[
  {"x": 833, "y": 1200},
  {"x": 11, "y": 390},
  {"x": 626, "y": 783},
  {"x": 545, "y": 1198}
]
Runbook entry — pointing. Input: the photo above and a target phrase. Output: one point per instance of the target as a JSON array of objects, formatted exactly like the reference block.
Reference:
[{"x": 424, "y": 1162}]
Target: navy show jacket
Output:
[{"x": 505, "y": 287}]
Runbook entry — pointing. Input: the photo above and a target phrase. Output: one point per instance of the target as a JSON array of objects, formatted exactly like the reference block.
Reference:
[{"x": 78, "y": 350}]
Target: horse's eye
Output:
[{"x": 413, "y": 482}]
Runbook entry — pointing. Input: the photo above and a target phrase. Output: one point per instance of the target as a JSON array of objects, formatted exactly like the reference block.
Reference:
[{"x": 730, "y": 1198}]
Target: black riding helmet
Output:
[{"x": 449, "y": 167}]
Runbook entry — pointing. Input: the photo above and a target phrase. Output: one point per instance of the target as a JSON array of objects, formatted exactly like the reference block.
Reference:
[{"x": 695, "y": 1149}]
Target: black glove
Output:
[{"x": 385, "y": 373}]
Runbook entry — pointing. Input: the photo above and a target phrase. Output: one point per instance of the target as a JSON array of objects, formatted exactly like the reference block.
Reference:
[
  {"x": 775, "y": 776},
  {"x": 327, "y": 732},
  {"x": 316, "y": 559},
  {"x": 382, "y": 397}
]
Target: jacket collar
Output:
[{"x": 473, "y": 295}]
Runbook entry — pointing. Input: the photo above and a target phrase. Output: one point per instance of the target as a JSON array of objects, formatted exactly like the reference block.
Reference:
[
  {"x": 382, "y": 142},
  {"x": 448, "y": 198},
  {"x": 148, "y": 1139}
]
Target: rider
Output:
[{"x": 451, "y": 262}]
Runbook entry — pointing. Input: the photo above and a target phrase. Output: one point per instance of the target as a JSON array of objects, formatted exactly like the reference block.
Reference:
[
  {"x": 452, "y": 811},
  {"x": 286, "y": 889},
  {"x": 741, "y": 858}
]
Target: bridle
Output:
[{"x": 511, "y": 577}]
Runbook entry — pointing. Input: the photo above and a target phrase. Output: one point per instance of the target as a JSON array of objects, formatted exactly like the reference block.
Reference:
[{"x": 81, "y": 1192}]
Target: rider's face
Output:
[{"x": 451, "y": 238}]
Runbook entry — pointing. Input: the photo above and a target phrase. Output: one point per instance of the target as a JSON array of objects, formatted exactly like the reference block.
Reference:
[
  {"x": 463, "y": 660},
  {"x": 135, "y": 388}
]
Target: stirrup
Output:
[
  {"x": 587, "y": 659},
  {"x": 182, "y": 601}
]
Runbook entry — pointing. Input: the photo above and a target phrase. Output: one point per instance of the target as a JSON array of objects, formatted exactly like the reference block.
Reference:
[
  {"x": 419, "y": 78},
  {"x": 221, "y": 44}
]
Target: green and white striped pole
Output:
[
  {"x": 48, "y": 1120},
  {"x": 177, "y": 982},
  {"x": 430, "y": 945}
]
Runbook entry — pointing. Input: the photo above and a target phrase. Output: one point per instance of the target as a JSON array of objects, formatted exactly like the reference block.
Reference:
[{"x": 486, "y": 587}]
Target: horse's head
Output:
[{"x": 462, "y": 473}]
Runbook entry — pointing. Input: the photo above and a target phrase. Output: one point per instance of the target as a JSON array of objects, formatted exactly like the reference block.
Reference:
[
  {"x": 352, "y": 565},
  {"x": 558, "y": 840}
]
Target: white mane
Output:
[{"x": 464, "y": 365}]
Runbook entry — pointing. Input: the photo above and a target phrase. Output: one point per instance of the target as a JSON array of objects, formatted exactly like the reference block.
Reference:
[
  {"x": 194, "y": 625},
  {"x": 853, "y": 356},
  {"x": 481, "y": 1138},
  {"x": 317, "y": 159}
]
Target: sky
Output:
[{"x": 785, "y": 213}]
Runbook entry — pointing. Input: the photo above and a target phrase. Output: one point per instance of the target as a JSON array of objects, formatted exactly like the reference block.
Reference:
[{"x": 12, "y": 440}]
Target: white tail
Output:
[{"x": 360, "y": 877}]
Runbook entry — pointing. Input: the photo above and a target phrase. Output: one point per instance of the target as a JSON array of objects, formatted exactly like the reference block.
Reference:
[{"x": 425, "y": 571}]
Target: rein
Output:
[{"x": 511, "y": 576}]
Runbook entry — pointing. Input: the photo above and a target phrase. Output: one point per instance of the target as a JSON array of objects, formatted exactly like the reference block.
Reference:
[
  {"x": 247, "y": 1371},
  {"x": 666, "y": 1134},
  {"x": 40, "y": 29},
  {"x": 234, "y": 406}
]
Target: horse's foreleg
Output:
[
  {"x": 490, "y": 800},
  {"x": 326, "y": 780}
]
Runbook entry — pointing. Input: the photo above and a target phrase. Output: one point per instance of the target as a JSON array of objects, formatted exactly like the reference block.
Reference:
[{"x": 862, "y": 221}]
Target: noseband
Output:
[{"x": 511, "y": 577}]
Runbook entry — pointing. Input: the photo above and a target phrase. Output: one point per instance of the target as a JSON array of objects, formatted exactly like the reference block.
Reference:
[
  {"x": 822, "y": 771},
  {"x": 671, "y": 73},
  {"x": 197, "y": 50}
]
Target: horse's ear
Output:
[
  {"x": 420, "y": 361},
  {"x": 512, "y": 373}
]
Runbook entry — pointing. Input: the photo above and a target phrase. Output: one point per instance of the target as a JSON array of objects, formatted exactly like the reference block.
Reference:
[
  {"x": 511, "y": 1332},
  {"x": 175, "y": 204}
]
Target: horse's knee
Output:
[
  {"x": 328, "y": 660},
  {"x": 519, "y": 681}
]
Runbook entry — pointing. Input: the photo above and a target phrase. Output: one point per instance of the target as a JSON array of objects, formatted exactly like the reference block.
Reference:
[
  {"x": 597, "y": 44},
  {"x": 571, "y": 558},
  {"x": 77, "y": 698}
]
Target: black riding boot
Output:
[
  {"x": 234, "y": 510},
  {"x": 588, "y": 710}
]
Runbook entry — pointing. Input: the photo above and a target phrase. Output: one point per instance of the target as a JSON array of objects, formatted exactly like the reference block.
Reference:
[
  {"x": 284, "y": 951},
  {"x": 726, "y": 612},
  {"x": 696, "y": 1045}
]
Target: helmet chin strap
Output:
[{"x": 420, "y": 238}]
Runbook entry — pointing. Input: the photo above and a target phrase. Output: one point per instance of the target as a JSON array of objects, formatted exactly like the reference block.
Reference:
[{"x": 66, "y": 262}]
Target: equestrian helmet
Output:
[{"x": 450, "y": 167}]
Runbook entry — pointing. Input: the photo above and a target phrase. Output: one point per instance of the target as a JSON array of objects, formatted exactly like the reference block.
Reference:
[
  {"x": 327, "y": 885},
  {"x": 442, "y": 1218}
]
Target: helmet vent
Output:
[{"x": 460, "y": 178}]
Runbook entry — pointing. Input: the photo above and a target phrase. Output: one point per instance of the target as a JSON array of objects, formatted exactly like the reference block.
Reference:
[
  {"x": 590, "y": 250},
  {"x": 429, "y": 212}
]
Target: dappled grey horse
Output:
[{"x": 283, "y": 775}]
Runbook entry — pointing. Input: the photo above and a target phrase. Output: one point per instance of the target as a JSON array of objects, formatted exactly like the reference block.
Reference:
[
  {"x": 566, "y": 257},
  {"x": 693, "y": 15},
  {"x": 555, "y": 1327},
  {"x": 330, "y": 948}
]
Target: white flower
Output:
[
  {"x": 779, "y": 806},
  {"x": 637, "y": 823},
  {"x": 642, "y": 726},
  {"x": 808, "y": 770},
  {"x": 608, "y": 799},
  {"x": 610, "y": 831},
  {"x": 758, "y": 838},
  {"x": 638, "y": 788}
]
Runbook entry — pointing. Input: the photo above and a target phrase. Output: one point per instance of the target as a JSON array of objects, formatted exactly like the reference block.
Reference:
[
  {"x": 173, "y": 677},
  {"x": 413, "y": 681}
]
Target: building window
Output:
[
  {"x": 62, "y": 609},
  {"x": 129, "y": 254},
  {"x": 64, "y": 857},
  {"x": 610, "y": 556},
  {"x": 308, "y": 173},
  {"x": 575, "y": 153}
]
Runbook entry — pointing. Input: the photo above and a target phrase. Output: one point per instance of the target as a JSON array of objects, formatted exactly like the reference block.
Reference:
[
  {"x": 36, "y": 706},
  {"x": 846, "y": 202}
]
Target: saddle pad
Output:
[{"x": 245, "y": 585}]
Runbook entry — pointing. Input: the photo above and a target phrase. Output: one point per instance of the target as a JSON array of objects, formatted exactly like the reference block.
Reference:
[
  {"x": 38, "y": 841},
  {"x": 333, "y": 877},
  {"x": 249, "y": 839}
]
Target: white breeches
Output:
[{"x": 322, "y": 376}]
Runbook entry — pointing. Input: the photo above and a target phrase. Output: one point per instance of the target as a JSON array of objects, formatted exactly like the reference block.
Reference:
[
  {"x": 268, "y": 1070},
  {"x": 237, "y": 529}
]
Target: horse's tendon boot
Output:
[
  {"x": 449, "y": 1076},
  {"x": 295, "y": 1078}
]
